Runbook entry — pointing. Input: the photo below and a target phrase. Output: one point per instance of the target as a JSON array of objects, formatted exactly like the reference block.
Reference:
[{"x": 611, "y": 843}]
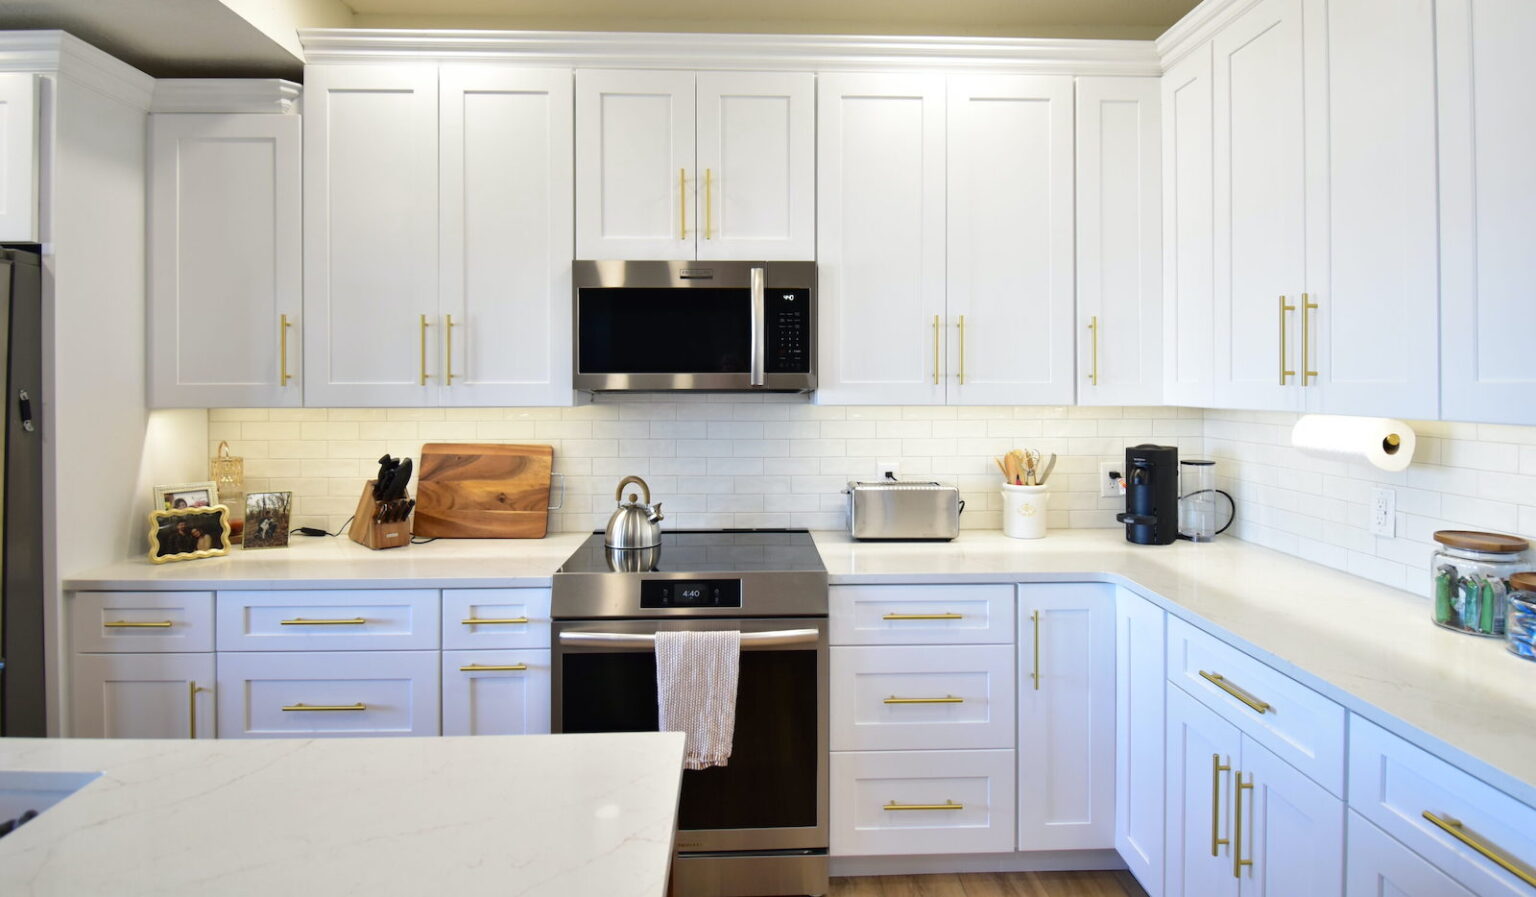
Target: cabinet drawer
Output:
[
  {"x": 141, "y": 622},
  {"x": 354, "y": 620},
  {"x": 911, "y": 698},
  {"x": 1379, "y": 865},
  {"x": 1299, "y": 725},
  {"x": 496, "y": 692},
  {"x": 495, "y": 618},
  {"x": 880, "y": 802},
  {"x": 921, "y": 615},
  {"x": 1393, "y": 784},
  {"x": 309, "y": 695}
]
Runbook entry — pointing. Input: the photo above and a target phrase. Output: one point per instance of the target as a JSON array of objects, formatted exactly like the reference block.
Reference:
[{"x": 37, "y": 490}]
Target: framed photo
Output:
[
  {"x": 266, "y": 519},
  {"x": 186, "y": 495},
  {"x": 184, "y": 534}
]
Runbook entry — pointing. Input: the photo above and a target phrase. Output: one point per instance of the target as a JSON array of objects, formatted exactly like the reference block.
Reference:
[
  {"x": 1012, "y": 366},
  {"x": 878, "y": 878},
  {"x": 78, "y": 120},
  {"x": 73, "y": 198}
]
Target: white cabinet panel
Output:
[
  {"x": 1119, "y": 242},
  {"x": 505, "y": 241},
  {"x": 1010, "y": 240},
  {"x": 1139, "y": 738},
  {"x": 880, "y": 238},
  {"x": 328, "y": 620},
  {"x": 1379, "y": 866},
  {"x": 1292, "y": 831},
  {"x": 756, "y": 143},
  {"x": 496, "y": 692},
  {"x": 1487, "y": 201},
  {"x": 141, "y": 622},
  {"x": 1202, "y": 752},
  {"x": 917, "y": 802},
  {"x": 19, "y": 155},
  {"x": 495, "y": 618},
  {"x": 334, "y": 695},
  {"x": 225, "y": 253},
  {"x": 635, "y": 174},
  {"x": 890, "y": 697},
  {"x": 370, "y": 235},
  {"x": 1066, "y": 716},
  {"x": 1189, "y": 341},
  {"x": 142, "y": 696},
  {"x": 920, "y": 615}
]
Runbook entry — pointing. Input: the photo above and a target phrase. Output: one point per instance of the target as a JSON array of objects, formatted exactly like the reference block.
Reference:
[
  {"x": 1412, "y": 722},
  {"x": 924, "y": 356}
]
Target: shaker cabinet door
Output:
[
  {"x": 1292, "y": 836},
  {"x": 19, "y": 152},
  {"x": 496, "y": 692},
  {"x": 1139, "y": 738},
  {"x": 1203, "y": 750},
  {"x": 142, "y": 696},
  {"x": 1189, "y": 238}
]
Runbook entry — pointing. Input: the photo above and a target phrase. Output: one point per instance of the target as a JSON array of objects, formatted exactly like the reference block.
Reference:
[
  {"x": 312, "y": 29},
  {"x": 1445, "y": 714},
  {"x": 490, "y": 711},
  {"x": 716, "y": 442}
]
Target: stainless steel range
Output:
[{"x": 757, "y": 826}]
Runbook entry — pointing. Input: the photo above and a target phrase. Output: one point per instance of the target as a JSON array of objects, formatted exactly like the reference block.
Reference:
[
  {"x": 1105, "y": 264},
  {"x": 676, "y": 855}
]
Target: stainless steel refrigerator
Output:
[{"x": 22, "y": 693}]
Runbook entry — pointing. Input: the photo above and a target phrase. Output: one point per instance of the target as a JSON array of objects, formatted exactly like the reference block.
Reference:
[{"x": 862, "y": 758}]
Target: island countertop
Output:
[{"x": 534, "y": 815}]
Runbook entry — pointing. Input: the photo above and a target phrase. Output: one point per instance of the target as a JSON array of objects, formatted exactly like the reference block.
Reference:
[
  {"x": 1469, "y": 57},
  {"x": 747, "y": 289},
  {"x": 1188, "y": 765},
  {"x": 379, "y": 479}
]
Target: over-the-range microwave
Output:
[{"x": 705, "y": 326}]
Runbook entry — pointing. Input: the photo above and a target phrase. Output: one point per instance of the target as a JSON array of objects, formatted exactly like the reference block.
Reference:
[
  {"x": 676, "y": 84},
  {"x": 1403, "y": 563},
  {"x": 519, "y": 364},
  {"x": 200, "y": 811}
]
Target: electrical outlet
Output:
[
  {"x": 1384, "y": 512},
  {"x": 1109, "y": 488},
  {"x": 892, "y": 467}
]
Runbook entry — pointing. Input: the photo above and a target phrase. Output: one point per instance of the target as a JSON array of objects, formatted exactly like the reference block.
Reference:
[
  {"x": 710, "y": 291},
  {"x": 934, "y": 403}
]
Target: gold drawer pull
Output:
[
  {"x": 1453, "y": 827},
  {"x": 947, "y": 699},
  {"x": 358, "y": 706},
  {"x": 923, "y": 617},
  {"x": 1226, "y": 685},
  {"x": 300, "y": 621},
  {"x": 493, "y": 668},
  {"x": 1217, "y": 768},
  {"x": 947, "y": 805},
  {"x": 485, "y": 621},
  {"x": 135, "y": 624}
]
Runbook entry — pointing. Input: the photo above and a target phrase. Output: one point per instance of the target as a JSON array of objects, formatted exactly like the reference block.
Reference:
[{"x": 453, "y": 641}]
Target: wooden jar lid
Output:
[
  {"x": 1523, "y": 582},
  {"x": 1470, "y": 540}
]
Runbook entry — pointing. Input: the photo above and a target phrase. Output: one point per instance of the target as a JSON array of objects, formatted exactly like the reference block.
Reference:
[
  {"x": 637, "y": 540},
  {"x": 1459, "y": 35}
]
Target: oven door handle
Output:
[{"x": 755, "y": 639}]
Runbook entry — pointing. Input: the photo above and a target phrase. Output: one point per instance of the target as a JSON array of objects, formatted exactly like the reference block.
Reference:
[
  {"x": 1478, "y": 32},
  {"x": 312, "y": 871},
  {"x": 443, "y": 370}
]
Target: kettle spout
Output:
[{"x": 656, "y": 516}]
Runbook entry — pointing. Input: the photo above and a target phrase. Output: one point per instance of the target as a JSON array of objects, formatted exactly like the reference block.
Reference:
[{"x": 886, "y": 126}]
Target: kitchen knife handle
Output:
[
  {"x": 424, "y": 326},
  {"x": 448, "y": 326}
]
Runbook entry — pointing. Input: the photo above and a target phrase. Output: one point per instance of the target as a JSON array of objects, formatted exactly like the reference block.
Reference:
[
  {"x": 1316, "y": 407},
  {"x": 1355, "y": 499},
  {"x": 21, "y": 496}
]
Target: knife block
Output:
[{"x": 377, "y": 535}]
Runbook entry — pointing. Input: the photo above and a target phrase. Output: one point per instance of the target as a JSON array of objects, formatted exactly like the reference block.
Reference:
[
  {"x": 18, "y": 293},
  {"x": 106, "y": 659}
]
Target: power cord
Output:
[{"x": 317, "y": 532}]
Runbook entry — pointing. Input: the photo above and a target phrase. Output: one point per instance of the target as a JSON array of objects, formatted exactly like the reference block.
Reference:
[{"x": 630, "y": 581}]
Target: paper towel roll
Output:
[{"x": 1379, "y": 441}]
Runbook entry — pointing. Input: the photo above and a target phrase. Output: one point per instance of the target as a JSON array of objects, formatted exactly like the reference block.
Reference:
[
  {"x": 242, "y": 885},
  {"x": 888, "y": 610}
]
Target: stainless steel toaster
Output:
[{"x": 897, "y": 510}]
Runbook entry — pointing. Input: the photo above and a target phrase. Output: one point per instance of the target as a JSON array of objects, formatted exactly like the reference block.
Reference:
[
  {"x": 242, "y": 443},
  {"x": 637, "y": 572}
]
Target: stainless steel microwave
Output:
[{"x": 704, "y": 326}]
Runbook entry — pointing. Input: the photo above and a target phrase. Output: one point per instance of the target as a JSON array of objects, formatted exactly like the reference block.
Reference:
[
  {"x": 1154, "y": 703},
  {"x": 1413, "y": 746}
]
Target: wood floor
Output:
[{"x": 992, "y": 884}]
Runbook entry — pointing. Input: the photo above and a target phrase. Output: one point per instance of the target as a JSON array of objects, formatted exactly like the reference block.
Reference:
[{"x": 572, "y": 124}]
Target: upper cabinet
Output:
[
  {"x": 678, "y": 165},
  {"x": 1487, "y": 202},
  {"x": 19, "y": 151},
  {"x": 1188, "y": 231},
  {"x": 225, "y": 243}
]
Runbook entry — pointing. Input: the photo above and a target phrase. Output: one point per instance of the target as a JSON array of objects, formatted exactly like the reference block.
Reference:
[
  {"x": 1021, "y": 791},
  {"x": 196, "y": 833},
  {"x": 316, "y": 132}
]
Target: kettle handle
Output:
[{"x": 618, "y": 494}]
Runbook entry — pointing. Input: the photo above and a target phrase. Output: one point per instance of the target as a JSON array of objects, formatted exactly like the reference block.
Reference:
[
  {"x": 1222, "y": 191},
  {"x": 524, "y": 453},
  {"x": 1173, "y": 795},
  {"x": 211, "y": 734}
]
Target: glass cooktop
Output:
[{"x": 704, "y": 551}]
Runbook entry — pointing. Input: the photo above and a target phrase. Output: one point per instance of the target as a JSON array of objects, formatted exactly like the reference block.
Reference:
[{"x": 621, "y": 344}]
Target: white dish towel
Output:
[{"x": 696, "y": 692}]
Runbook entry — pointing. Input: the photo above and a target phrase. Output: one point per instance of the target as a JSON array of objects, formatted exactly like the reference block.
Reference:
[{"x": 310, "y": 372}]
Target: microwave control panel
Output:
[{"x": 789, "y": 330}]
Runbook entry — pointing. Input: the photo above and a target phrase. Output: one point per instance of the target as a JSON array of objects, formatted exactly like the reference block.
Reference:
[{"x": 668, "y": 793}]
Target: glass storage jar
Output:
[
  {"x": 1521, "y": 628},
  {"x": 1471, "y": 574}
]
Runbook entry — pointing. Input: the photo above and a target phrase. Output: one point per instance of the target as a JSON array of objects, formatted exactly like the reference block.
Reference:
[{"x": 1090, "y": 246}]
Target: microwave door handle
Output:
[
  {"x": 754, "y": 639},
  {"x": 759, "y": 341}
]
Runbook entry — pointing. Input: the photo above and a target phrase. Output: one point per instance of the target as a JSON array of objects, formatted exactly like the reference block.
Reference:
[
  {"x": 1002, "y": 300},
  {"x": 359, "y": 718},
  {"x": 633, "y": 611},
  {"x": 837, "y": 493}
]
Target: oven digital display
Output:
[{"x": 662, "y": 593}]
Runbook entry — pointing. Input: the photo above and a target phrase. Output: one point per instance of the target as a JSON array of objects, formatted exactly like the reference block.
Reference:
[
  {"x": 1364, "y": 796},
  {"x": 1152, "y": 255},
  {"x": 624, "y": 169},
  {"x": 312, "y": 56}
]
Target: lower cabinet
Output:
[
  {"x": 330, "y": 694},
  {"x": 496, "y": 692},
  {"x": 1140, "y": 673},
  {"x": 1379, "y": 865},
  {"x": 142, "y": 696},
  {"x": 922, "y": 802}
]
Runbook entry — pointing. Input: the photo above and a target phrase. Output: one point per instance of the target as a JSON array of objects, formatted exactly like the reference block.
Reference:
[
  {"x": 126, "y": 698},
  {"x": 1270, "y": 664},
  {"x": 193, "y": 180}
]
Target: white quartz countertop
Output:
[{"x": 549, "y": 815}]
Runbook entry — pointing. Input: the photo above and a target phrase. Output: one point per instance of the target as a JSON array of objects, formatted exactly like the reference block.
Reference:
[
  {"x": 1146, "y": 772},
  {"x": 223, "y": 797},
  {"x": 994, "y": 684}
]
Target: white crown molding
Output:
[
  {"x": 63, "y": 54},
  {"x": 226, "y": 95},
  {"x": 1197, "y": 26},
  {"x": 733, "y": 51}
]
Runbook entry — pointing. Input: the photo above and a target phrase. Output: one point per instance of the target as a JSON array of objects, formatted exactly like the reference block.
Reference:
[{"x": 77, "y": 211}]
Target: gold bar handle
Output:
[
  {"x": 935, "y": 350},
  {"x": 493, "y": 668},
  {"x": 300, "y": 621},
  {"x": 192, "y": 691},
  {"x": 961, "y": 326},
  {"x": 1243, "y": 695},
  {"x": 947, "y": 805},
  {"x": 709, "y": 202},
  {"x": 682, "y": 203},
  {"x": 136, "y": 624},
  {"x": 1454, "y": 827},
  {"x": 1284, "y": 355},
  {"x": 923, "y": 617},
  {"x": 947, "y": 699},
  {"x": 1306, "y": 339},
  {"x": 448, "y": 326},
  {"x": 282, "y": 339},
  {"x": 1034, "y": 617},
  {"x": 1237, "y": 826},
  {"x": 1217, "y": 768},
  {"x": 487, "y": 621},
  {"x": 1093, "y": 341},
  {"x": 424, "y": 326},
  {"x": 326, "y": 707}
]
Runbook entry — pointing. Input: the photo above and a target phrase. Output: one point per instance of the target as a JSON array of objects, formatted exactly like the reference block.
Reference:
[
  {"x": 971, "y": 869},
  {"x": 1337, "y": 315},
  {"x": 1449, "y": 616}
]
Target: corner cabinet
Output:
[
  {"x": 1140, "y": 698},
  {"x": 225, "y": 248}
]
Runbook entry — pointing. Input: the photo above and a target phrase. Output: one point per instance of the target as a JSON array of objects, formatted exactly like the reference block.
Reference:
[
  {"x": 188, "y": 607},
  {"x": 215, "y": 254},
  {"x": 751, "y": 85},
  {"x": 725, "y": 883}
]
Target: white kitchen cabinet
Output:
[
  {"x": 225, "y": 261},
  {"x": 1292, "y": 834},
  {"x": 921, "y": 802},
  {"x": 328, "y": 620},
  {"x": 1189, "y": 339},
  {"x": 1139, "y": 738},
  {"x": 1260, "y": 129},
  {"x": 483, "y": 619},
  {"x": 19, "y": 158},
  {"x": 141, "y": 622},
  {"x": 1378, "y": 865},
  {"x": 880, "y": 236},
  {"x": 1066, "y": 738},
  {"x": 927, "y": 614},
  {"x": 1009, "y": 234},
  {"x": 505, "y": 238},
  {"x": 1119, "y": 242},
  {"x": 371, "y": 236},
  {"x": 1487, "y": 201},
  {"x": 1202, "y": 752},
  {"x": 318, "y": 694},
  {"x": 496, "y": 692},
  {"x": 921, "y": 697},
  {"x": 142, "y": 696}
]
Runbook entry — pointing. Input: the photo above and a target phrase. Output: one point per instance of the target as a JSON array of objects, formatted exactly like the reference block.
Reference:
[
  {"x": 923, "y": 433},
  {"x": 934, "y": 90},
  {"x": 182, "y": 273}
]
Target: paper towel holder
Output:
[{"x": 1391, "y": 443}]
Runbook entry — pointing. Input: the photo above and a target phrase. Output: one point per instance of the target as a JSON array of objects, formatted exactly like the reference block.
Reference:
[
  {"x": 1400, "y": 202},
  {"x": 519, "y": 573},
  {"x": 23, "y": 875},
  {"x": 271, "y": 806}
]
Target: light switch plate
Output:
[{"x": 1384, "y": 512}]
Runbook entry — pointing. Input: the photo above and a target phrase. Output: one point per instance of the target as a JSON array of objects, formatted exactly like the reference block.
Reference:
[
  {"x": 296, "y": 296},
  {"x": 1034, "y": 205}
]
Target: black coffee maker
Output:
[{"x": 1151, "y": 494}]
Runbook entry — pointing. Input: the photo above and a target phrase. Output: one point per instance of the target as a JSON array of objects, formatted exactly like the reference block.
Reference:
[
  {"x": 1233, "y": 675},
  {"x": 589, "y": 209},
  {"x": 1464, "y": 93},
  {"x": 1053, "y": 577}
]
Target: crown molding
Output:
[
  {"x": 1197, "y": 26},
  {"x": 62, "y": 54},
  {"x": 645, "y": 50},
  {"x": 226, "y": 95}
]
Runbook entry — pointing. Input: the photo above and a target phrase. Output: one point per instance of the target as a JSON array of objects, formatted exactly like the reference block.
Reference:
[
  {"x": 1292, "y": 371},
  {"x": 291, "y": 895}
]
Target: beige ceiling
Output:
[{"x": 1127, "y": 19}]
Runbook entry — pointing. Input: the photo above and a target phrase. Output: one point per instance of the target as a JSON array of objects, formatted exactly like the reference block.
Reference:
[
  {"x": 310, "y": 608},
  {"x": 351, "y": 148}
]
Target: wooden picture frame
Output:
[
  {"x": 185, "y": 534},
  {"x": 163, "y": 498}
]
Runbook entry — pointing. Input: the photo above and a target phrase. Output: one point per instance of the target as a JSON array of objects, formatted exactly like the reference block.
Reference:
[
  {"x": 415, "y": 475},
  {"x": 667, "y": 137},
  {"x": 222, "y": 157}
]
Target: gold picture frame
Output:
[
  {"x": 164, "y": 497},
  {"x": 185, "y": 534}
]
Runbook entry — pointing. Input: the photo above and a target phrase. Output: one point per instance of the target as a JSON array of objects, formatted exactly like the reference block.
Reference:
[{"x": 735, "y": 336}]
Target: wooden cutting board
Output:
[{"x": 470, "y": 490}]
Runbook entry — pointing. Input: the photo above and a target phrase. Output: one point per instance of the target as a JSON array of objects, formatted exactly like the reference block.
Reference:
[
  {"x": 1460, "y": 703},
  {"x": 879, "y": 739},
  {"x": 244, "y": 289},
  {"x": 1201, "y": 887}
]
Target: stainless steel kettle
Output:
[{"x": 635, "y": 524}]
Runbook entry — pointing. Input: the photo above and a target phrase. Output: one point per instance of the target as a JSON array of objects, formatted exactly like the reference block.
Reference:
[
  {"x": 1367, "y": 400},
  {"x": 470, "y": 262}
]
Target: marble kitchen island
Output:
[{"x": 553, "y": 815}]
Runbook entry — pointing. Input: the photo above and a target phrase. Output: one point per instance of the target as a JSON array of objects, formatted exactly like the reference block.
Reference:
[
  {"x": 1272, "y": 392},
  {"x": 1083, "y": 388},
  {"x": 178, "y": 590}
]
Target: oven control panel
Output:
[{"x": 665, "y": 593}]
